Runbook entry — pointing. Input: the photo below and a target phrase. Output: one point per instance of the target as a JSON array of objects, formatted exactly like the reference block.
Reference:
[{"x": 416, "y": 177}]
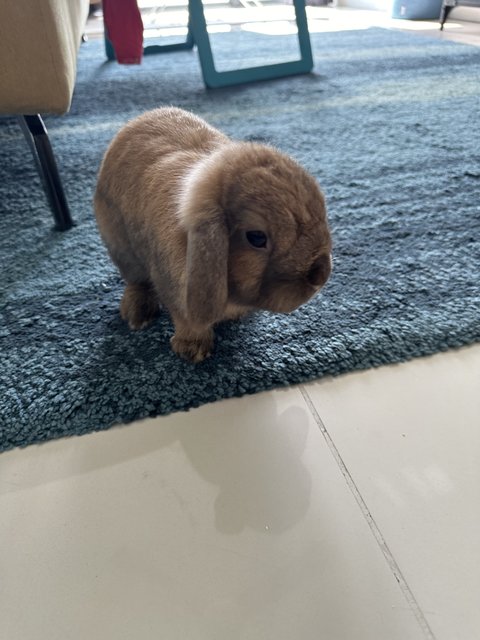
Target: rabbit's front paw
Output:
[
  {"x": 139, "y": 306},
  {"x": 193, "y": 349}
]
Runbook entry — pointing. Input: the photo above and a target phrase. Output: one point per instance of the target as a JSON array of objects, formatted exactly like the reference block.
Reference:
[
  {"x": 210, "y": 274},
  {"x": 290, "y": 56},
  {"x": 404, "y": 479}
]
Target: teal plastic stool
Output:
[
  {"x": 198, "y": 34},
  {"x": 214, "y": 78}
]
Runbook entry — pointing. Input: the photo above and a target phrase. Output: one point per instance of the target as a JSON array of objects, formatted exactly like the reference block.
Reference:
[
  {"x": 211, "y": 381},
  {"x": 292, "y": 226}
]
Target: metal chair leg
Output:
[
  {"x": 447, "y": 6},
  {"x": 37, "y": 138}
]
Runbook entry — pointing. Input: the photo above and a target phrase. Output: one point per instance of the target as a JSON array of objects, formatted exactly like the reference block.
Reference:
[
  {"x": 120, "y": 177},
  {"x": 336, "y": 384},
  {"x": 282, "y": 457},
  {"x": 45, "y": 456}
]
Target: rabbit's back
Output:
[{"x": 138, "y": 189}]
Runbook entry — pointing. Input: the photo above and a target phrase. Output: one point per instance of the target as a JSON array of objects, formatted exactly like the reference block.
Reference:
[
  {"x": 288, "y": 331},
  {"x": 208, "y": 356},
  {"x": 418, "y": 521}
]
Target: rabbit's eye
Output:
[{"x": 257, "y": 239}]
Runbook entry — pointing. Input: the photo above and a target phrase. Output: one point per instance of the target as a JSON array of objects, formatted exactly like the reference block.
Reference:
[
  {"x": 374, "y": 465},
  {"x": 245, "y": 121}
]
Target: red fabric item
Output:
[{"x": 124, "y": 28}]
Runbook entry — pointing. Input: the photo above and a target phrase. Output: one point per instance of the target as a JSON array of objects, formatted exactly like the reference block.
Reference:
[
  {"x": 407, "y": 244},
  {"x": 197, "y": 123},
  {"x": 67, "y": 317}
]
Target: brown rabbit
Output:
[{"x": 207, "y": 227}]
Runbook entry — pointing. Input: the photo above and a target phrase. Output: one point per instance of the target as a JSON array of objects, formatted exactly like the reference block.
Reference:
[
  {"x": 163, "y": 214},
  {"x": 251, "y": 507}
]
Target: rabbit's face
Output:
[
  {"x": 280, "y": 245},
  {"x": 257, "y": 231}
]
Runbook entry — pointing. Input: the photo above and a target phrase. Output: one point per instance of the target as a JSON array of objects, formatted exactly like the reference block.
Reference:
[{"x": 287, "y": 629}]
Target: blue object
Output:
[
  {"x": 417, "y": 9},
  {"x": 198, "y": 34}
]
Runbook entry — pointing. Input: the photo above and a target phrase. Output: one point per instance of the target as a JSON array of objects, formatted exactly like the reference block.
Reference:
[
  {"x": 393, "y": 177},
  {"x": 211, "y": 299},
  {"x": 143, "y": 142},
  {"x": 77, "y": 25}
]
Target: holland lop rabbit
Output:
[{"x": 207, "y": 227}]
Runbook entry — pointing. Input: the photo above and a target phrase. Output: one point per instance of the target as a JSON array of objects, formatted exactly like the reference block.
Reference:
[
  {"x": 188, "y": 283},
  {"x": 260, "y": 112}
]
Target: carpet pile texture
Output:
[{"x": 388, "y": 124}]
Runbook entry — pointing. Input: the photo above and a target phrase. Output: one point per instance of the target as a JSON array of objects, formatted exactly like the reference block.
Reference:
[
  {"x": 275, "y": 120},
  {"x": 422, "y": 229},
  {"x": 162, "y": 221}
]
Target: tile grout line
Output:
[{"x": 392, "y": 563}]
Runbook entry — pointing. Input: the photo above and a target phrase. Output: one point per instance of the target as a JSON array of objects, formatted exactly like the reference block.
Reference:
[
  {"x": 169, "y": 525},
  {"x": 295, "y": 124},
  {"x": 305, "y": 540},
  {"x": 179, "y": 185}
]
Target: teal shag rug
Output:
[{"x": 388, "y": 123}]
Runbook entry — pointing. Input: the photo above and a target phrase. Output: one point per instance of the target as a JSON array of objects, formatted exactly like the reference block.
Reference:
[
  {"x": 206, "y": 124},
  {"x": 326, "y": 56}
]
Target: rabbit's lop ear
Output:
[{"x": 207, "y": 264}]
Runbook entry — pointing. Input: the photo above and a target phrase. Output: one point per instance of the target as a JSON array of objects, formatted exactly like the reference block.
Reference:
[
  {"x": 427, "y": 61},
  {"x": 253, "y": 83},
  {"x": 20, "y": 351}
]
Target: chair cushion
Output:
[{"x": 39, "y": 43}]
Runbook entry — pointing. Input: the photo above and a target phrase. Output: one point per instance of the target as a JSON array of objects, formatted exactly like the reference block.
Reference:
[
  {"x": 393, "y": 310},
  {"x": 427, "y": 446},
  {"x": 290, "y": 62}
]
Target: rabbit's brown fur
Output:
[{"x": 175, "y": 201}]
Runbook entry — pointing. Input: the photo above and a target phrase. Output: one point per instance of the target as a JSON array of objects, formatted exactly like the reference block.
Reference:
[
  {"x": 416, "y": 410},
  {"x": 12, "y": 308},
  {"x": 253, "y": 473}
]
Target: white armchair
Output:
[{"x": 39, "y": 43}]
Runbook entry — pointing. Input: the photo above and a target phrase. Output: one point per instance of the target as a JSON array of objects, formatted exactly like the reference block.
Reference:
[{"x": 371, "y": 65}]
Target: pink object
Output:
[{"x": 124, "y": 29}]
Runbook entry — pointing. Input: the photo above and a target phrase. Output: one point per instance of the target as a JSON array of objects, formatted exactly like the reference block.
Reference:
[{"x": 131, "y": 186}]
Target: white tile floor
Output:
[{"x": 348, "y": 509}]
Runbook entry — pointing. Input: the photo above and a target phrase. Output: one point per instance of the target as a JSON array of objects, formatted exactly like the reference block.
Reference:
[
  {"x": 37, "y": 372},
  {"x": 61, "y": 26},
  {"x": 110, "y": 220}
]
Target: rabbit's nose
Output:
[{"x": 320, "y": 270}]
